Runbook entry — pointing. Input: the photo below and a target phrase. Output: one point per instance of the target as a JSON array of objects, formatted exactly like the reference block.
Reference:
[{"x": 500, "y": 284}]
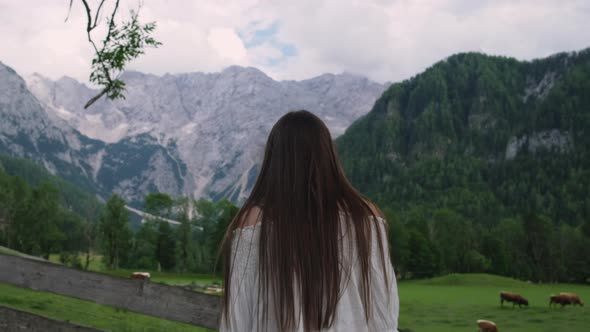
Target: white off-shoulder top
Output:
[{"x": 350, "y": 314}]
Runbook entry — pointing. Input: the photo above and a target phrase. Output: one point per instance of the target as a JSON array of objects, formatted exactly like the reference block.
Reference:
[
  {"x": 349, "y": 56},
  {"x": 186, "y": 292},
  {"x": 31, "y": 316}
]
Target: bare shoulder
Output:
[{"x": 251, "y": 217}]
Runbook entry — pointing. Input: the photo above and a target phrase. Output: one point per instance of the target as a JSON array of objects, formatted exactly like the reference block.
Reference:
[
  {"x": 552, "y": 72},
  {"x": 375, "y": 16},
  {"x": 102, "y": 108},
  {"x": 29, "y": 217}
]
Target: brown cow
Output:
[
  {"x": 141, "y": 275},
  {"x": 486, "y": 326},
  {"x": 575, "y": 299},
  {"x": 565, "y": 299},
  {"x": 559, "y": 299},
  {"x": 513, "y": 298}
]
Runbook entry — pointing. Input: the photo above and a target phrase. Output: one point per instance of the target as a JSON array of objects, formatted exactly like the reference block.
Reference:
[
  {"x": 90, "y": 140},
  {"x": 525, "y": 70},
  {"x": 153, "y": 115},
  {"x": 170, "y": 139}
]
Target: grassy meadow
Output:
[
  {"x": 455, "y": 302},
  {"x": 169, "y": 278},
  {"x": 11, "y": 252}
]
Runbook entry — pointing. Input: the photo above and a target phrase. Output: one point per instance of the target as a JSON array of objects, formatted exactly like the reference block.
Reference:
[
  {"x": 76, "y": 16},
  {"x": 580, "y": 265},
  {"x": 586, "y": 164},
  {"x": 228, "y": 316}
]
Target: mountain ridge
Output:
[
  {"x": 194, "y": 134},
  {"x": 486, "y": 136}
]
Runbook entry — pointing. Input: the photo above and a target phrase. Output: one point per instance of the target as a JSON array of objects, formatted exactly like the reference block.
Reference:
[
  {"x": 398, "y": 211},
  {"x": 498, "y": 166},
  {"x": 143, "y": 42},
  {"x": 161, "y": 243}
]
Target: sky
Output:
[{"x": 385, "y": 40}]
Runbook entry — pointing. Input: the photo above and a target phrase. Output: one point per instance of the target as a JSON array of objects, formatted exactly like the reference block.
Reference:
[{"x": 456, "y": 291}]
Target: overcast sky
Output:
[{"x": 386, "y": 40}]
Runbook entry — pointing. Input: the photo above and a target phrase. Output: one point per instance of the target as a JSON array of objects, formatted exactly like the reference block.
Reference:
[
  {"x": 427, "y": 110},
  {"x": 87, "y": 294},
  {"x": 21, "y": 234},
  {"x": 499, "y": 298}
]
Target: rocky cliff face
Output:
[
  {"x": 209, "y": 129},
  {"x": 189, "y": 134},
  {"x": 26, "y": 130},
  {"x": 554, "y": 140},
  {"x": 131, "y": 166}
]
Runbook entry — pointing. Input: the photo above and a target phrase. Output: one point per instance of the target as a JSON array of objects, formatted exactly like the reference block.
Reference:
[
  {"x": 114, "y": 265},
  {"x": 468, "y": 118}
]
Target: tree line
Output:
[
  {"x": 433, "y": 230},
  {"x": 427, "y": 243},
  {"x": 34, "y": 219},
  {"x": 190, "y": 246}
]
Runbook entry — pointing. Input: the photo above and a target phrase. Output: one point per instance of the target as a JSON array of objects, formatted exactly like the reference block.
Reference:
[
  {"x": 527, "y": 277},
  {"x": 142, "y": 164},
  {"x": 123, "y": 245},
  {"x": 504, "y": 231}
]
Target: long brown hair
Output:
[{"x": 302, "y": 194}]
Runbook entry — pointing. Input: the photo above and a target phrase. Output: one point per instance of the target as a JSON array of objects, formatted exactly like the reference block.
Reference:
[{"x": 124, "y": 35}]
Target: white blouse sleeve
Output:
[
  {"x": 243, "y": 283},
  {"x": 386, "y": 315}
]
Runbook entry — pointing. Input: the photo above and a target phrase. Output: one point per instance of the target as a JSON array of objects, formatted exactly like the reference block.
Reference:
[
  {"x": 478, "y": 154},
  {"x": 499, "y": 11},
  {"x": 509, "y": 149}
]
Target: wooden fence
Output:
[{"x": 145, "y": 297}]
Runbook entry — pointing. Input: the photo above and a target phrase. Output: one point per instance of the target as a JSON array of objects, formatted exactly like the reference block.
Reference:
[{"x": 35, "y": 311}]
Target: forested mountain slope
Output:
[
  {"x": 41, "y": 214},
  {"x": 478, "y": 142},
  {"x": 74, "y": 197}
]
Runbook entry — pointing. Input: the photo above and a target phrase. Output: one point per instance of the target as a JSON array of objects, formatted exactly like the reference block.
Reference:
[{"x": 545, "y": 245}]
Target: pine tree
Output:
[
  {"x": 166, "y": 246},
  {"x": 184, "y": 248},
  {"x": 114, "y": 232}
]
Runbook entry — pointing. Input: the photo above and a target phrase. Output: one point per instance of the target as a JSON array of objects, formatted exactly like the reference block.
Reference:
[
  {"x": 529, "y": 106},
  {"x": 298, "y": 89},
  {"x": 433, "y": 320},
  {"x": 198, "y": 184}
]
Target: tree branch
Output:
[
  {"x": 95, "y": 98},
  {"x": 111, "y": 25},
  {"x": 89, "y": 27},
  {"x": 89, "y": 19},
  {"x": 119, "y": 46},
  {"x": 69, "y": 10},
  {"x": 98, "y": 13}
]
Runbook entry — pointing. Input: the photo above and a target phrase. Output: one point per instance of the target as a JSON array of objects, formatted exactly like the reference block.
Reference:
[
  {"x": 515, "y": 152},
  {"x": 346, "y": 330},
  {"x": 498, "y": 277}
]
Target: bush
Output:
[{"x": 71, "y": 259}]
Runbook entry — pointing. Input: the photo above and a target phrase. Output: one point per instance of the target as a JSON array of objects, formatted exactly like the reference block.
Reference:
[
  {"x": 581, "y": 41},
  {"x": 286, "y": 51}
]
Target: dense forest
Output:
[
  {"x": 41, "y": 214},
  {"x": 482, "y": 164},
  {"x": 191, "y": 246}
]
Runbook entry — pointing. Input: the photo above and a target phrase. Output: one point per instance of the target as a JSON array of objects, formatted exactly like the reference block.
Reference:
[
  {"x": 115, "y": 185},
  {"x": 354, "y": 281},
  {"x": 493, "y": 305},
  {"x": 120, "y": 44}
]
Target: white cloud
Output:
[
  {"x": 227, "y": 44},
  {"x": 393, "y": 40},
  {"x": 263, "y": 54},
  {"x": 387, "y": 40}
]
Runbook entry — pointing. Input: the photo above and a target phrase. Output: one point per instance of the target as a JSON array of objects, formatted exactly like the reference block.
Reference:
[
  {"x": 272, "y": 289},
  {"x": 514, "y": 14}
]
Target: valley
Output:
[{"x": 480, "y": 165}]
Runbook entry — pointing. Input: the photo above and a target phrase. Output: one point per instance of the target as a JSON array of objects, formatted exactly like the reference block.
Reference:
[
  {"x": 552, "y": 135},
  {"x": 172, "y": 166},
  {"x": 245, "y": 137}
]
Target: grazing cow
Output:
[
  {"x": 559, "y": 299},
  {"x": 513, "y": 298},
  {"x": 574, "y": 298},
  {"x": 565, "y": 298},
  {"x": 140, "y": 275},
  {"x": 486, "y": 326}
]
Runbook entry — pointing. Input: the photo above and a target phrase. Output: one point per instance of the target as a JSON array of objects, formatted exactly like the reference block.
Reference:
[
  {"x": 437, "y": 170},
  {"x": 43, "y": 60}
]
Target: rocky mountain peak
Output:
[
  {"x": 199, "y": 134},
  {"x": 218, "y": 122}
]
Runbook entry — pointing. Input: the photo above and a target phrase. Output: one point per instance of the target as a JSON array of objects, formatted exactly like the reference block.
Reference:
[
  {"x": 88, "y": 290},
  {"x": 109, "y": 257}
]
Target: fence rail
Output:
[{"x": 153, "y": 299}]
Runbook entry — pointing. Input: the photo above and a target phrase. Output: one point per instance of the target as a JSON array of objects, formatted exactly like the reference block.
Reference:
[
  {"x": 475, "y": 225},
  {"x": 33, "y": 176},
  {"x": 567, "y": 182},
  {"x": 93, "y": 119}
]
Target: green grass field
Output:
[
  {"x": 6, "y": 251},
  {"x": 169, "y": 278},
  {"x": 10, "y": 252},
  {"x": 455, "y": 302},
  {"x": 95, "y": 261},
  {"x": 172, "y": 278}
]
